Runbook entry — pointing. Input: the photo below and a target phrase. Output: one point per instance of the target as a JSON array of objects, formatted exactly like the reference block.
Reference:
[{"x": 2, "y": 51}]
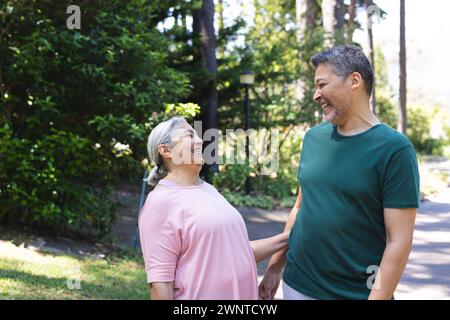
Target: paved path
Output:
[{"x": 427, "y": 275}]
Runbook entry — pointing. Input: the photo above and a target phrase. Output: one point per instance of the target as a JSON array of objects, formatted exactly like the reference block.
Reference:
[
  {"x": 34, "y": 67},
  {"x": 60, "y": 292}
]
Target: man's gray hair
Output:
[{"x": 346, "y": 59}]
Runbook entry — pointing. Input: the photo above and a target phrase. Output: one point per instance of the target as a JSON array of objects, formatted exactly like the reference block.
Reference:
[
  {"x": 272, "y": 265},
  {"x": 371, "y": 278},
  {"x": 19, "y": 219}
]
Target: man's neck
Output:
[{"x": 358, "y": 122}]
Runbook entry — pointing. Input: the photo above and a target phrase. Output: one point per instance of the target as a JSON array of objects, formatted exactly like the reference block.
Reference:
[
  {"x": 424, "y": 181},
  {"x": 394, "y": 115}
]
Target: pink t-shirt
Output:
[{"x": 194, "y": 237}]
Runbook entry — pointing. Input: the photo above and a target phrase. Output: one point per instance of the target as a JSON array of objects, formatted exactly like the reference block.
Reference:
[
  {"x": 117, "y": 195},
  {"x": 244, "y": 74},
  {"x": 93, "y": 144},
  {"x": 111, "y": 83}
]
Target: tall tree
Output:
[
  {"x": 402, "y": 116},
  {"x": 370, "y": 13},
  {"x": 209, "y": 52},
  {"x": 351, "y": 25},
  {"x": 304, "y": 12},
  {"x": 304, "y": 17},
  {"x": 333, "y": 15},
  {"x": 203, "y": 23}
]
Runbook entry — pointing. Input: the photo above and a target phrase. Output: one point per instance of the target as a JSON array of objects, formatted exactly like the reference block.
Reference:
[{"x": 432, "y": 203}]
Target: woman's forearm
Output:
[
  {"x": 162, "y": 291},
  {"x": 264, "y": 248},
  {"x": 278, "y": 260}
]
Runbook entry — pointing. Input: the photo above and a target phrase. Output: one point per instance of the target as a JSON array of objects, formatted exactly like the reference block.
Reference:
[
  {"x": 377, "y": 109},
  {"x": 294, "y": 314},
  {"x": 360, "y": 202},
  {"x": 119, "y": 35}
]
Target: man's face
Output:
[{"x": 332, "y": 93}]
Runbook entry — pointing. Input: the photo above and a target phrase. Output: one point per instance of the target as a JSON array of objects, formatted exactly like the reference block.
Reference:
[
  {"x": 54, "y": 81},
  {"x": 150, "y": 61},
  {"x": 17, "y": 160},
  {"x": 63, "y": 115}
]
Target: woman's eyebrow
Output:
[{"x": 189, "y": 131}]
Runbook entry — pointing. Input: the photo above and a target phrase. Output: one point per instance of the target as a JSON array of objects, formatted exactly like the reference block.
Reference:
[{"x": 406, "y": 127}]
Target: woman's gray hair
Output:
[{"x": 161, "y": 134}]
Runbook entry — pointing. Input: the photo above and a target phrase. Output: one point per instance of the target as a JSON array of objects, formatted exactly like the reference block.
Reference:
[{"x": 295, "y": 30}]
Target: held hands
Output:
[
  {"x": 269, "y": 284},
  {"x": 271, "y": 281}
]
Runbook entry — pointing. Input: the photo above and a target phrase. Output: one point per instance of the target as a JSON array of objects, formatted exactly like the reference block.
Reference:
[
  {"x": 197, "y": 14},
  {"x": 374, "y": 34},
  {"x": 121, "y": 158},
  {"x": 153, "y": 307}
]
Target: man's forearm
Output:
[
  {"x": 391, "y": 269},
  {"x": 278, "y": 260}
]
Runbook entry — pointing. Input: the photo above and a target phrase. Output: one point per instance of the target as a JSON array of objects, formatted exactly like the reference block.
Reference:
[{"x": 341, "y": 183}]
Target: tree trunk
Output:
[
  {"x": 333, "y": 12},
  {"x": 304, "y": 16},
  {"x": 304, "y": 11},
  {"x": 368, "y": 3},
  {"x": 402, "y": 116},
  {"x": 203, "y": 24},
  {"x": 209, "y": 53},
  {"x": 351, "y": 21}
]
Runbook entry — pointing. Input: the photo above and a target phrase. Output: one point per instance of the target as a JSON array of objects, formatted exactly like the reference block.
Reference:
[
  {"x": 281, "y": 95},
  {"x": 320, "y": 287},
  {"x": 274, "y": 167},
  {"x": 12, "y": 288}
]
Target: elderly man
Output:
[{"x": 359, "y": 190}]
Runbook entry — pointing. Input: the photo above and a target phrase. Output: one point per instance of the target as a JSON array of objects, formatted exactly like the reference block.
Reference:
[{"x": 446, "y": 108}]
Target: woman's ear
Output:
[{"x": 164, "y": 151}]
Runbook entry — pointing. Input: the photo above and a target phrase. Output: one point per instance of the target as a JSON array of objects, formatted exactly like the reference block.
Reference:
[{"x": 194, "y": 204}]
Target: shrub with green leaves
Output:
[
  {"x": 78, "y": 105},
  {"x": 53, "y": 182},
  {"x": 419, "y": 130}
]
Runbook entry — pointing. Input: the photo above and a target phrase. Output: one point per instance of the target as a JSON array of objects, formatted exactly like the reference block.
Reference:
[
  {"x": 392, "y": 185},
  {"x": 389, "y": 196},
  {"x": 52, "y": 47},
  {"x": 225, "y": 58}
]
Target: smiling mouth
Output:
[{"x": 327, "y": 107}]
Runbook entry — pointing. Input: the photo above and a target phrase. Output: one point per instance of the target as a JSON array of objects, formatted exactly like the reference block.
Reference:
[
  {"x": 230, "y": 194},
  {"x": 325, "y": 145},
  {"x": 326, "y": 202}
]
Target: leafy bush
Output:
[
  {"x": 77, "y": 107},
  {"x": 258, "y": 201},
  {"x": 53, "y": 182},
  {"x": 278, "y": 185},
  {"x": 419, "y": 131},
  {"x": 288, "y": 202}
]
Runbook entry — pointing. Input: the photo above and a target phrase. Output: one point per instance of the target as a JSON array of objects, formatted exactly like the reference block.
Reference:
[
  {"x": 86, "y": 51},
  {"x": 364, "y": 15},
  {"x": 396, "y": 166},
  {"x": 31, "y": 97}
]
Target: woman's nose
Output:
[{"x": 198, "y": 140}]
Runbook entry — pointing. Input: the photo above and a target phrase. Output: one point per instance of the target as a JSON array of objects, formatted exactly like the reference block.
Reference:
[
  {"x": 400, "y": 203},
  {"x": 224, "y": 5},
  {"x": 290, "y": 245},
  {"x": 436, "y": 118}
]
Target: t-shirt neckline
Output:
[
  {"x": 336, "y": 132},
  {"x": 170, "y": 184}
]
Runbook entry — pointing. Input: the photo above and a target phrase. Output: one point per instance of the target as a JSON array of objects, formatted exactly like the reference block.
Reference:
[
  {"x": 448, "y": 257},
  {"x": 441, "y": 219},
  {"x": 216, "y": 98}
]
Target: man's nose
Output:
[{"x": 316, "y": 95}]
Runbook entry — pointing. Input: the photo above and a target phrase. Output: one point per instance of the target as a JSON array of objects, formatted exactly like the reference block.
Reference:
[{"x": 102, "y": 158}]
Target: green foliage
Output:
[
  {"x": 288, "y": 202},
  {"x": 279, "y": 185},
  {"x": 282, "y": 93},
  {"x": 258, "y": 201},
  {"x": 419, "y": 130},
  {"x": 231, "y": 177},
  {"x": 78, "y": 105},
  {"x": 52, "y": 182},
  {"x": 386, "y": 106}
]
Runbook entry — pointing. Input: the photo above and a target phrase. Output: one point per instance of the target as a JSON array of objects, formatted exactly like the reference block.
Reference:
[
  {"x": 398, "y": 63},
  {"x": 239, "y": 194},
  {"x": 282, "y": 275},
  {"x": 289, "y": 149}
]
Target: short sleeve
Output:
[
  {"x": 401, "y": 185},
  {"x": 160, "y": 240}
]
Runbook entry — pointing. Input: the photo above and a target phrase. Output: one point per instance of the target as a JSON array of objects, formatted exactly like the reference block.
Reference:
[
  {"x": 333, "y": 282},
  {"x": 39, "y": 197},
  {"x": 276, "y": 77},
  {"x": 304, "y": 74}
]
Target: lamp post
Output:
[{"x": 247, "y": 78}]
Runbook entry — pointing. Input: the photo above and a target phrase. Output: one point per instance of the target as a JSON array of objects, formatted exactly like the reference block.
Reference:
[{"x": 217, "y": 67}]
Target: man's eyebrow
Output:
[{"x": 318, "y": 79}]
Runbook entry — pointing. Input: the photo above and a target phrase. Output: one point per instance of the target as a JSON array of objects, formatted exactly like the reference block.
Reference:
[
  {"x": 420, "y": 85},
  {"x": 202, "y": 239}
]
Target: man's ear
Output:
[
  {"x": 164, "y": 151},
  {"x": 356, "y": 80}
]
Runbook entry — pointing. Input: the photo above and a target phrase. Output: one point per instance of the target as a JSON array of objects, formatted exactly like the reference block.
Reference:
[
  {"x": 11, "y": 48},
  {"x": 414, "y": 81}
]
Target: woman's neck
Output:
[{"x": 183, "y": 178}]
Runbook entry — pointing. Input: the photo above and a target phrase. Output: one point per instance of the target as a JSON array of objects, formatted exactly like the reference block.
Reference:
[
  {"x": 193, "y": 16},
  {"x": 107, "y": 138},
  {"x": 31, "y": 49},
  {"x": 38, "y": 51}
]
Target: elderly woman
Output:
[{"x": 195, "y": 244}]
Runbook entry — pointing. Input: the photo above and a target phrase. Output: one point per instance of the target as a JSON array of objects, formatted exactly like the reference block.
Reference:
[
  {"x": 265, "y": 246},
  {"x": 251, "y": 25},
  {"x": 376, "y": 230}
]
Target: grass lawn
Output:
[{"x": 31, "y": 274}]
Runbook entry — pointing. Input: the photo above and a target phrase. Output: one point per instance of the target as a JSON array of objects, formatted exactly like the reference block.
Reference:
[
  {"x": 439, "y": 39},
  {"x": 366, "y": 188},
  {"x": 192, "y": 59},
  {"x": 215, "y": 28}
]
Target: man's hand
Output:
[
  {"x": 271, "y": 281},
  {"x": 269, "y": 284}
]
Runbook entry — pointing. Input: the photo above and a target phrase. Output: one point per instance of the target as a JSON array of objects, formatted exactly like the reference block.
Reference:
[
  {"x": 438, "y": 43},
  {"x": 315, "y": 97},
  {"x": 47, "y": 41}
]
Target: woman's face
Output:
[{"x": 186, "y": 147}]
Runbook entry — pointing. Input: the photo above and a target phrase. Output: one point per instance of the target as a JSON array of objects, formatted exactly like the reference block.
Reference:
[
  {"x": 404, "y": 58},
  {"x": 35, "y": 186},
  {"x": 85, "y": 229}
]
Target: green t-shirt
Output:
[{"x": 339, "y": 233}]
